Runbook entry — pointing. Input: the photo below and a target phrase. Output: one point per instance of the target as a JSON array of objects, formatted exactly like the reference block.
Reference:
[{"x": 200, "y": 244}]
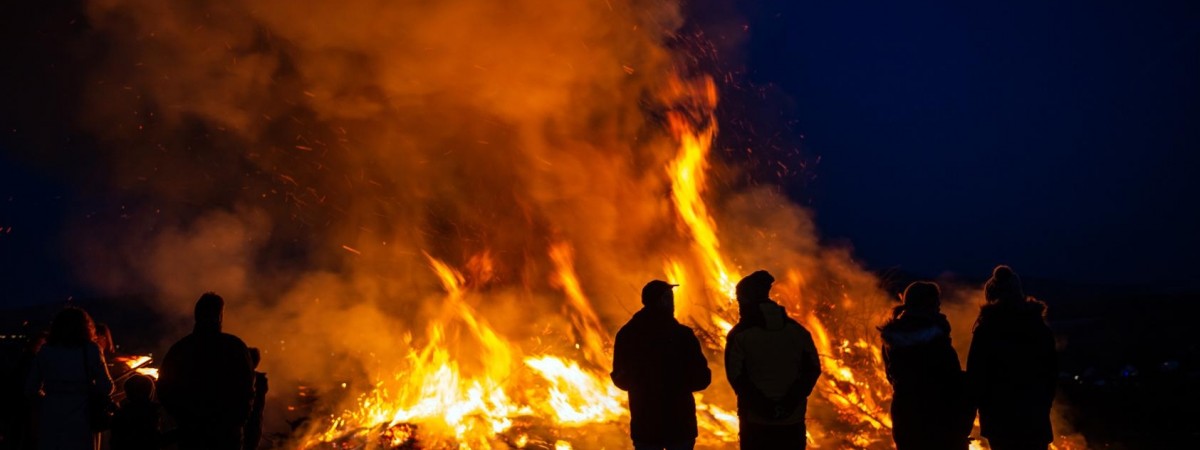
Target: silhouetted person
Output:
[
  {"x": 18, "y": 432},
  {"x": 65, "y": 372},
  {"x": 206, "y": 383},
  {"x": 930, "y": 410},
  {"x": 254, "y": 423},
  {"x": 1012, "y": 366},
  {"x": 659, "y": 362},
  {"x": 772, "y": 364},
  {"x": 136, "y": 424}
]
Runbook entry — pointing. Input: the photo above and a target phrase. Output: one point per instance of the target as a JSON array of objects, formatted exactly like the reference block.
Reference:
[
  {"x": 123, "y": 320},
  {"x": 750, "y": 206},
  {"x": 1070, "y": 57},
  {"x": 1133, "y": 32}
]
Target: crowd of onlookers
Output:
[
  {"x": 771, "y": 362},
  {"x": 207, "y": 385},
  {"x": 214, "y": 398}
]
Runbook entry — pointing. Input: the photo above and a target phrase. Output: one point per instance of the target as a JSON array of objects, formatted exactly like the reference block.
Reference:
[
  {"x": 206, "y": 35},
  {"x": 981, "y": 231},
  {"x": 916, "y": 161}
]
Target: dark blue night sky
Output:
[{"x": 1060, "y": 137}]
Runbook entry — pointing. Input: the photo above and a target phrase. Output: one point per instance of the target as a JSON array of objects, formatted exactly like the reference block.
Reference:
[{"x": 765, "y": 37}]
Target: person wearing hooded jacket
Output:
[
  {"x": 206, "y": 382},
  {"x": 930, "y": 410},
  {"x": 659, "y": 362},
  {"x": 772, "y": 364},
  {"x": 1012, "y": 366}
]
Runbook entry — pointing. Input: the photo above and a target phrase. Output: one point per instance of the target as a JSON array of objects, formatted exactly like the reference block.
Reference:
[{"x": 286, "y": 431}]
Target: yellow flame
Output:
[
  {"x": 151, "y": 372},
  {"x": 578, "y": 397},
  {"x": 677, "y": 275},
  {"x": 137, "y": 361},
  {"x": 138, "y": 364},
  {"x": 586, "y": 322},
  {"x": 688, "y": 177}
]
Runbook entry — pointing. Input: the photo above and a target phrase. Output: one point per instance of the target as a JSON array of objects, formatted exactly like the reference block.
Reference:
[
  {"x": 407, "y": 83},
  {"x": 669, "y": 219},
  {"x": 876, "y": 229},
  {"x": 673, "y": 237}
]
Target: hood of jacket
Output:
[
  {"x": 766, "y": 314},
  {"x": 911, "y": 329}
]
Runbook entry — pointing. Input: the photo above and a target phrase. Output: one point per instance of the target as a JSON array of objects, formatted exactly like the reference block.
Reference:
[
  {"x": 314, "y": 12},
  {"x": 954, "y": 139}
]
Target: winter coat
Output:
[
  {"x": 930, "y": 410},
  {"x": 659, "y": 362},
  {"x": 63, "y": 376},
  {"x": 772, "y": 364},
  {"x": 1011, "y": 368},
  {"x": 136, "y": 426},
  {"x": 206, "y": 382}
]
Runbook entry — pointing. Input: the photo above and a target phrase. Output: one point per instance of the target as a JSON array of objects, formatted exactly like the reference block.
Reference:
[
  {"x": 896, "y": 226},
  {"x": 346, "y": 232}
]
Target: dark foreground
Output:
[{"x": 1129, "y": 358}]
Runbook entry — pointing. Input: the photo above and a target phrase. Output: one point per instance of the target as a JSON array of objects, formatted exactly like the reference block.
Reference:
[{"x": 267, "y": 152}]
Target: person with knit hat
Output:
[
  {"x": 930, "y": 410},
  {"x": 659, "y": 362},
  {"x": 1012, "y": 366},
  {"x": 772, "y": 364}
]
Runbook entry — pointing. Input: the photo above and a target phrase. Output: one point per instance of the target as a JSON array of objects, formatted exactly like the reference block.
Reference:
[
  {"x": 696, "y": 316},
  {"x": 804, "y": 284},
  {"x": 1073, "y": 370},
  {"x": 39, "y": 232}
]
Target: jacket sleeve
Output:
[
  {"x": 806, "y": 378},
  {"x": 167, "y": 388},
  {"x": 99, "y": 371},
  {"x": 978, "y": 366},
  {"x": 810, "y": 369},
  {"x": 33, "y": 379},
  {"x": 885, "y": 351},
  {"x": 750, "y": 398},
  {"x": 1049, "y": 366},
  {"x": 242, "y": 383},
  {"x": 698, "y": 375},
  {"x": 624, "y": 374},
  {"x": 735, "y": 360}
]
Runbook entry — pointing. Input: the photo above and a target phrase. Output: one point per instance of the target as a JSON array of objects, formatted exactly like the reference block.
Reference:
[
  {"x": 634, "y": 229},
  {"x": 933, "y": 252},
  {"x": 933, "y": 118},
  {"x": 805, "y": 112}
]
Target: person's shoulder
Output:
[
  {"x": 185, "y": 340},
  {"x": 627, "y": 328},
  {"x": 1030, "y": 311},
  {"x": 92, "y": 349},
  {"x": 182, "y": 344},
  {"x": 683, "y": 330},
  {"x": 231, "y": 340},
  {"x": 910, "y": 332},
  {"x": 795, "y": 326},
  {"x": 739, "y": 329}
]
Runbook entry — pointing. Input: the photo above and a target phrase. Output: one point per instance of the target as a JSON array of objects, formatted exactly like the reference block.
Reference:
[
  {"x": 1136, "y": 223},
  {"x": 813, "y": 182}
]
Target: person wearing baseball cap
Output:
[{"x": 659, "y": 362}]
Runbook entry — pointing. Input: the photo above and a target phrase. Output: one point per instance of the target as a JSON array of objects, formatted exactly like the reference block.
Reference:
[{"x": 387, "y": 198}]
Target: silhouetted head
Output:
[
  {"x": 659, "y": 295},
  {"x": 72, "y": 327},
  {"x": 1004, "y": 286},
  {"x": 255, "y": 357},
  {"x": 922, "y": 296},
  {"x": 755, "y": 287},
  {"x": 104, "y": 339},
  {"x": 139, "y": 387},
  {"x": 208, "y": 311}
]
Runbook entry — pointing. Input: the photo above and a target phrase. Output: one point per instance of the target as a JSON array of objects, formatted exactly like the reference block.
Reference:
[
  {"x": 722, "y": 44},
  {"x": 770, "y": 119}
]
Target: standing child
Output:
[{"x": 136, "y": 425}]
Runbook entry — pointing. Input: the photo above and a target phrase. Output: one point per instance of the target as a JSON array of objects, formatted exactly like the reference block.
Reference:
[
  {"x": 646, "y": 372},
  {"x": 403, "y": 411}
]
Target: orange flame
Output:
[{"x": 138, "y": 364}]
